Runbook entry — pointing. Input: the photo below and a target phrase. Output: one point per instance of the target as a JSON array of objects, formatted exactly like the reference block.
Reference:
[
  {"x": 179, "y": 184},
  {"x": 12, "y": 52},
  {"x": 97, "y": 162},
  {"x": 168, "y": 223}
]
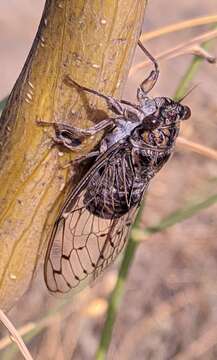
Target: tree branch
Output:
[{"x": 94, "y": 45}]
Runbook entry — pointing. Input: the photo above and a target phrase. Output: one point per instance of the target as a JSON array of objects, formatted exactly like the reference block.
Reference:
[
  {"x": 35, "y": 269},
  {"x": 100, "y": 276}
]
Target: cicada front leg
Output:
[
  {"x": 70, "y": 136},
  {"x": 147, "y": 84}
]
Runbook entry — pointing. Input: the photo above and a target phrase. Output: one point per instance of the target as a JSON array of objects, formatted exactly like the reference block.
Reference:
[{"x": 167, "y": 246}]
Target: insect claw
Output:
[{"x": 68, "y": 81}]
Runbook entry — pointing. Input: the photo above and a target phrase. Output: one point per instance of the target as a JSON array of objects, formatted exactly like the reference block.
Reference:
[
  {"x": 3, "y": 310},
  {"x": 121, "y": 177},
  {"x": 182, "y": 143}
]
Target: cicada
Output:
[{"x": 94, "y": 223}]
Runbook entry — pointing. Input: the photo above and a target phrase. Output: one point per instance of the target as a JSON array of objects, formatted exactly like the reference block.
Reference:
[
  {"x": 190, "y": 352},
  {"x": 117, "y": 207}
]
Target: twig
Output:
[
  {"x": 15, "y": 337},
  {"x": 197, "y": 50},
  {"x": 27, "y": 328},
  {"x": 198, "y": 148},
  {"x": 190, "y": 44},
  {"x": 191, "y": 71},
  {"x": 204, "y": 20}
]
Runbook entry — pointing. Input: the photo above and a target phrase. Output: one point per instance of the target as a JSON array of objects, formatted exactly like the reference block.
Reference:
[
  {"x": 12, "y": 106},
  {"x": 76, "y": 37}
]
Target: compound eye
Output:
[
  {"x": 151, "y": 122},
  {"x": 155, "y": 122},
  {"x": 186, "y": 113}
]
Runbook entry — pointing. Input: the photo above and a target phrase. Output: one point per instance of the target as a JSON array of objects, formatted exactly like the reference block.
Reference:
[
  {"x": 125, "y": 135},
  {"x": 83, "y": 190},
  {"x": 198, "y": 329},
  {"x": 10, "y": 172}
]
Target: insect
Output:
[{"x": 93, "y": 225}]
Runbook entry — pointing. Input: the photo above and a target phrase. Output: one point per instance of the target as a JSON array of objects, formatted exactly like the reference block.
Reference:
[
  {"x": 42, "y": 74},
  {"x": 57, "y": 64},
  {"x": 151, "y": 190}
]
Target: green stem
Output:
[
  {"x": 115, "y": 300},
  {"x": 118, "y": 291}
]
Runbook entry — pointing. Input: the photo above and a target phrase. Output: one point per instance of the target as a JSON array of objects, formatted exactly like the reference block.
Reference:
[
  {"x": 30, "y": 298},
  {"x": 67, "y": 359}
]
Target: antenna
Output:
[{"x": 188, "y": 92}]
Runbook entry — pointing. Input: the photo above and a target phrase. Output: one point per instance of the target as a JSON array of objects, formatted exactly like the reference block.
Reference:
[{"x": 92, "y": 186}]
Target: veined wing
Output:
[{"x": 82, "y": 244}]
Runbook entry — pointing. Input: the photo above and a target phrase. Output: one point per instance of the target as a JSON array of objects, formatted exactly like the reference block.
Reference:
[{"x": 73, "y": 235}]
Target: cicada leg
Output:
[
  {"x": 117, "y": 106},
  {"x": 70, "y": 136},
  {"x": 112, "y": 103},
  {"x": 151, "y": 80}
]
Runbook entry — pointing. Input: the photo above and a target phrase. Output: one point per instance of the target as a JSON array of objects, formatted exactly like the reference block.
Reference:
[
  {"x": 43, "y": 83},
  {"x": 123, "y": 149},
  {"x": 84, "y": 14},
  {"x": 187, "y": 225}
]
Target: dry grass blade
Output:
[
  {"x": 14, "y": 335},
  {"x": 187, "y": 46},
  {"x": 204, "y": 20},
  {"x": 197, "y": 50},
  {"x": 197, "y": 148},
  {"x": 6, "y": 341}
]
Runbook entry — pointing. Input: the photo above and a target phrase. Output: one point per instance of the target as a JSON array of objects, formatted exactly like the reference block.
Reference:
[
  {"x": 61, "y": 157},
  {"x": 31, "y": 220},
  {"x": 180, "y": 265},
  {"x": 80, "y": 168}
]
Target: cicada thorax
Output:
[
  {"x": 163, "y": 137},
  {"x": 160, "y": 143}
]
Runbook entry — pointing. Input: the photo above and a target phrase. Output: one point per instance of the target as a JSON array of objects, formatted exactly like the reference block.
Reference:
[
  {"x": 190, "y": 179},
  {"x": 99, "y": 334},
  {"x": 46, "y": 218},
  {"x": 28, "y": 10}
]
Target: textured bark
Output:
[{"x": 93, "y": 41}]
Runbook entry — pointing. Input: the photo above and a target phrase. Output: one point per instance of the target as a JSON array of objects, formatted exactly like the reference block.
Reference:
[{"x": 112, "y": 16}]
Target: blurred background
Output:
[{"x": 169, "y": 309}]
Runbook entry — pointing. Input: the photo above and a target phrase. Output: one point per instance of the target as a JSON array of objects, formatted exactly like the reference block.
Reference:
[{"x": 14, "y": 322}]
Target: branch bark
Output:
[{"x": 93, "y": 42}]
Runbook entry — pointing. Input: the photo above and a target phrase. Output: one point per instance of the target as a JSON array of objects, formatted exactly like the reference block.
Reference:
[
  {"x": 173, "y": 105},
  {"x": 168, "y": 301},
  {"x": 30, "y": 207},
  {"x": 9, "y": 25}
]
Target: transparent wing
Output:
[{"x": 82, "y": 245}]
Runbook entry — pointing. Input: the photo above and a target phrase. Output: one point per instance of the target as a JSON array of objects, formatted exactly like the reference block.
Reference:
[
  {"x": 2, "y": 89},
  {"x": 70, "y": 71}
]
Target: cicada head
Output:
[{"x": 171, "y": 111}]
